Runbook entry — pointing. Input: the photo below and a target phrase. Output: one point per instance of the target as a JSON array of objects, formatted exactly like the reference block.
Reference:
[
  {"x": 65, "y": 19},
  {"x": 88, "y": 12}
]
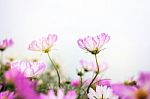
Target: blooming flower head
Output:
[
  {"x": 5, "y": 44},
  {"x": 29, "y": 68},
  {"x": 7, "y": 95},
  {"x": 102, "y": 92},
  {"x": 140, "y": 91},
  {"x": 91, "y": 66},
  {"x": 93, "y": 44},
  {"x": 44, "y": 44},
  {"x": 60, "y": 95}
]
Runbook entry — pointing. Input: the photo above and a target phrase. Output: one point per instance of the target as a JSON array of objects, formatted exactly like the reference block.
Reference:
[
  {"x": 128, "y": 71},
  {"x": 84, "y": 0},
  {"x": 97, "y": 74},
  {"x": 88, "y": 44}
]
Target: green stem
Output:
[
  {"x": 81, "y": 80},
  {"x": 80, "y": 88},
  {"x": 55, "y": 69},
  {"x": 95, "y": 74},
  {"x": 1, "y": 60}
]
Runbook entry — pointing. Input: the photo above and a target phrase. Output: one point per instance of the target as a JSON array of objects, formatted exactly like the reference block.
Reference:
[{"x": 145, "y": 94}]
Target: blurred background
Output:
[{"x": 126, "y": 21}]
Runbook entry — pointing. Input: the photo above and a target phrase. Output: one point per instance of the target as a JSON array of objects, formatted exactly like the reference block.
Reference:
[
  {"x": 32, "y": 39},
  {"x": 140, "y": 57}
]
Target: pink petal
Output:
[
  {"x": 71, "y": 95},
  {"x": 89, "y": 43},
  {"x": 60, "y": 94},
  {"x": 81, "y": 44}
]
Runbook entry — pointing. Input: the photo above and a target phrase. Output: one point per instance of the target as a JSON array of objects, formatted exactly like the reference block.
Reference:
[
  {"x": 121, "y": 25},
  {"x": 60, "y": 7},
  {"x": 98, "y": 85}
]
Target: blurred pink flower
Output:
[
  {"x": 7, "y": 95},
  {"x": 104, "y": 82},
  {"x": 91, "y": 66},
  {"x": 60, "y": 95},
  {"x": 75, "y": 83},
  {"x": 93, "y": 44},
  {"x": 5, "y": 44},
  {"x": 29, "y": 68},
  {"x": 139, "y": 91},
  {"x": 44, "y": 44},
  {"x": 23, "y": 87}
]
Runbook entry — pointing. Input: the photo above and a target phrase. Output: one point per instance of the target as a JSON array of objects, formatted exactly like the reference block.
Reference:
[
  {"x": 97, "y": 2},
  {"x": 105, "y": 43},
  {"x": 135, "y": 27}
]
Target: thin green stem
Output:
[
  {"x": 81, "y": 81},
  {"x": 55, "y": 69},
  {"x": 80, "y": 88},
  {"x": 95, "y": 74},
  {"x": 1, "y": 60}
]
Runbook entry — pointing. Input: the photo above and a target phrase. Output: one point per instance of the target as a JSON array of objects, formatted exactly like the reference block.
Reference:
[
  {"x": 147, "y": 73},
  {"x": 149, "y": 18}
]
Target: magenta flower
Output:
[
  {"x": 24, "y": 88},
  {"x": 75, "y": 83},
  {"x": 60, "y": 95},
  {"x": 5, "y": 44},
  {"x": 28, "y": 68},
  {"x": 93, "y": 44},
  {"x": 140, "y": 91},
  {"x": 7, "y": 95},
  {"x": 91, "y": 66},
  {"x": 44, "y": 44}
]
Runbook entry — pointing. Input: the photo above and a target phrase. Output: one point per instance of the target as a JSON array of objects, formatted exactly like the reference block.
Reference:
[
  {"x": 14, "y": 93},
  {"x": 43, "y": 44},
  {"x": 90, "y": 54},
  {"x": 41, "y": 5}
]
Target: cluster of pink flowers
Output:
[
  {"x": 26, "y": 79},
  {"x": 25, "y": 88}
]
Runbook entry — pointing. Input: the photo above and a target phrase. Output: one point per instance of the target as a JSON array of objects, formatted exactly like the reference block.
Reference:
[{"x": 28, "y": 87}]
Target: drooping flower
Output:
[
  {"x": 6, "y": 95},
  {"x": 24, "y": 87},
  {"x": 139, "y": 91},
  {"x": 102, "y": 92},
  {"x": 29, "y": 68},
  {"x": 44, "y": 44},
  {"x": 93, "y": 44},
  {"x": 91, "y": 66},
  {"x": 60, "y": 95},
  {"x": 5, "y": 44}
]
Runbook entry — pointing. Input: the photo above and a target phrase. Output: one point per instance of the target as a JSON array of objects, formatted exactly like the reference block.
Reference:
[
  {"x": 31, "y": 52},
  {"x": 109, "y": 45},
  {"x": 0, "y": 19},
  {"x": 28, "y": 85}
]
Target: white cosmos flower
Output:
[{"x": 102, "y": 92}]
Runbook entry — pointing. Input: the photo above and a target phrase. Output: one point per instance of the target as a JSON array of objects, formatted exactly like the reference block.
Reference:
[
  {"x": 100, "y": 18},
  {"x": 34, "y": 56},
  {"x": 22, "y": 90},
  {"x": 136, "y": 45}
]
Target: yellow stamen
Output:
[{"x": 141, "y": 94}]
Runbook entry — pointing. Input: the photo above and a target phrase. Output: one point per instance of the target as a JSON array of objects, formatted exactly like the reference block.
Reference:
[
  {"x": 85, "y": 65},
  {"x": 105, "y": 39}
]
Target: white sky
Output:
[{"x": 126, "y": 21}]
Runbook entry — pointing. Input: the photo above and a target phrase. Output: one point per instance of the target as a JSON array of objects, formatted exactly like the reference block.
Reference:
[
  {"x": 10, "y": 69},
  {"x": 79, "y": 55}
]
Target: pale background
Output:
[{"x": 126, "y": 21}]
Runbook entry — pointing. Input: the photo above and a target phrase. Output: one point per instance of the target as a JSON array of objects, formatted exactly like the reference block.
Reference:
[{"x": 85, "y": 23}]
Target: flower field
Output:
[{"x": 32, "y": 79}]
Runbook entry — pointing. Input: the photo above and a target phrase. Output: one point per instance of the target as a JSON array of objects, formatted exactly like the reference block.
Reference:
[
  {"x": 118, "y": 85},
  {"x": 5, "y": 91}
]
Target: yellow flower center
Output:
[
  {"x": 46, "y": 50},
  {"x": 141, "y": 94}
]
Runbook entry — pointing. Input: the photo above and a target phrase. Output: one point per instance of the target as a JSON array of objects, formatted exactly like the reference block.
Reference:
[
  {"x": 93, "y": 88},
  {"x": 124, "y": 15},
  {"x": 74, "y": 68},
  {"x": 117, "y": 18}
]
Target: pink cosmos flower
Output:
[
  {"x": 5, "y": 44},
  {"x": 91, "y": 66},
  {"x": 60, "y": 95},
  {"x": 140, "y": 91},
  {"x": 44, "y": 44},
  {"x": 23, "y": 87},
  {"x": 29, "y": 68},
  {"x": 93, "y": 44},
  {"x": 7, "y": 95}
]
